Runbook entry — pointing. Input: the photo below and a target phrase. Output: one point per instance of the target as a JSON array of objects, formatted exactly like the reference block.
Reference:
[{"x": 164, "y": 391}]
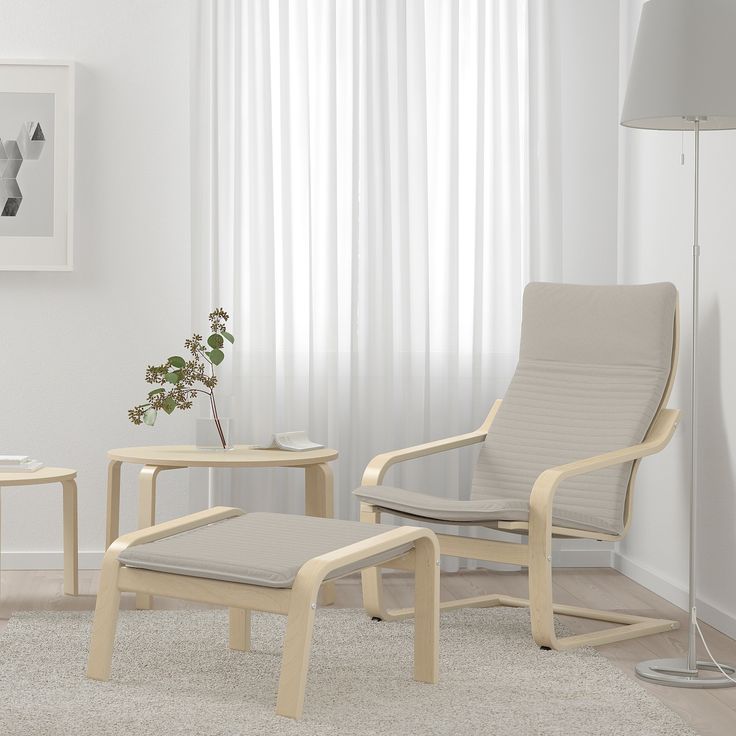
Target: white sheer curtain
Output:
[{"x": 364, "y": 182}]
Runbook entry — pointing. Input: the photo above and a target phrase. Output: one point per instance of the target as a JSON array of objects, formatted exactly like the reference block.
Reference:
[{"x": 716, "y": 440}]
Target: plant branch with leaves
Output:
[{"x": 179, "y": 381}]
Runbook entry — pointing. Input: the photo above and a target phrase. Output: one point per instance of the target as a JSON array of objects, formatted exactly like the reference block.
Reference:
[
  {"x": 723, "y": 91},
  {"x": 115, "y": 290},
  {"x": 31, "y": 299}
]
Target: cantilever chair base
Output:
[
  {"x": 536, "y": 555},
  {"x": 629, "y": 626},
  {"x": 406, "y": 547}
]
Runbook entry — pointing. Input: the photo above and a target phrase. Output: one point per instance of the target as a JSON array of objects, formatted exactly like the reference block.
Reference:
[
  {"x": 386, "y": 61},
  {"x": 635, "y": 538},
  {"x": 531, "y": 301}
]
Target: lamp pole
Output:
[
  {"x": 692, "y": 663},
  {"x": 679, "y": 672}
]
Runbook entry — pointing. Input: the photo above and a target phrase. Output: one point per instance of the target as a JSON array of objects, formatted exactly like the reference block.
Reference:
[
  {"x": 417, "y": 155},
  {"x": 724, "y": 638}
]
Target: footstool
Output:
[{"x": 265, "y": 562}]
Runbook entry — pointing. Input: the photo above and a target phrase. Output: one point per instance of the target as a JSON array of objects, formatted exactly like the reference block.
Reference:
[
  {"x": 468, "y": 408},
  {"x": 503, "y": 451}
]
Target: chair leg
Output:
[
  {"x": 105, "y": 622},
  {"x": 371, "y": 576},
  {"x": 240, "y": 629},
  {"x": 542, "y": 607},
  {"x": 427, "y": 607},
  {"x": 541, "y": 603},
  {"x": 295, "y": 659}
]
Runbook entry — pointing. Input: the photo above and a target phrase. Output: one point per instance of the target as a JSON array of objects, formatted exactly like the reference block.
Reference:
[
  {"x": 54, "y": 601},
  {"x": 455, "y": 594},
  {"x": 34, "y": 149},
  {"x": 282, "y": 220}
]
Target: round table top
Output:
[
  {"x": 240, "y": 456},
  {"x": 42, "y": 475}
]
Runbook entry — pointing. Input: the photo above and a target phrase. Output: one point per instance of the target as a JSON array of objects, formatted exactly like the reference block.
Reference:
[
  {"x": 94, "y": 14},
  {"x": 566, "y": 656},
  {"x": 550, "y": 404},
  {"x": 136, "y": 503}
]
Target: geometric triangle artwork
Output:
[{"x": 28, "y": 146}]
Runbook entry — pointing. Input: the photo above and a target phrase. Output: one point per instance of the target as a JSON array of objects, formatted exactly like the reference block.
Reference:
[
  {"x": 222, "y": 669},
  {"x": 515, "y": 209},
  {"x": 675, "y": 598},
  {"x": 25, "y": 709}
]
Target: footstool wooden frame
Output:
[{"x": 298, "y": 602}]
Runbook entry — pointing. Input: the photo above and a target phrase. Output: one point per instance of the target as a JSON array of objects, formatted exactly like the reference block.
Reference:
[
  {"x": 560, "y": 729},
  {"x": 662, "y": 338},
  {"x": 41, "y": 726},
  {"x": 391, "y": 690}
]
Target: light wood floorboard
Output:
[{"x": 710, "y": 712}]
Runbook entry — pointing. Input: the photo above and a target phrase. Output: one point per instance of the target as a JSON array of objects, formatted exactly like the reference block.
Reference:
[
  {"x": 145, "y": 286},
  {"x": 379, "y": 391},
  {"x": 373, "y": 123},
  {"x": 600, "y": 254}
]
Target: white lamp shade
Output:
[{"x": 684, "y": 66}]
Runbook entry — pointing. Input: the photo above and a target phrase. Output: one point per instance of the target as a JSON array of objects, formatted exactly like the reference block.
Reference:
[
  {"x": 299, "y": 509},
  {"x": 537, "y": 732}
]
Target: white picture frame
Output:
[{"x": 36, "y": 191}]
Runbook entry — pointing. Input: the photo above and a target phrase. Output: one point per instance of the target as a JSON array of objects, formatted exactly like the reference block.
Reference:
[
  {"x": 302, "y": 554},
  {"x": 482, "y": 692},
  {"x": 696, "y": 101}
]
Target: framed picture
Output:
[{"x": 36, "y": 165}]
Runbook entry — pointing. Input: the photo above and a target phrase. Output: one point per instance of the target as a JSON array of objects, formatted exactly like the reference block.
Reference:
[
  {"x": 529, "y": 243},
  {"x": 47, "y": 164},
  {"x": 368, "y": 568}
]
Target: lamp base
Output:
[{"x": 675, "y": 673}]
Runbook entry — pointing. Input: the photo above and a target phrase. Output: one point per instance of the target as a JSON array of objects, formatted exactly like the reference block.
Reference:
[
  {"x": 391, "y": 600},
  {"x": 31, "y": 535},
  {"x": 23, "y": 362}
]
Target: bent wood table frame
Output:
[
  {"x": 298, "y": 603},
  {"x": 318, "y": 486},
  {"x": 66, "y": 477}
]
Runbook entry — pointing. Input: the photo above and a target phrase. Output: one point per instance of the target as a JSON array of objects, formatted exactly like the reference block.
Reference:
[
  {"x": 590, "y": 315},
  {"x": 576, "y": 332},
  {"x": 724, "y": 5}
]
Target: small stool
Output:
[
  {"x": 66, "y": 477},
  {"x": 265, "y": 562}
]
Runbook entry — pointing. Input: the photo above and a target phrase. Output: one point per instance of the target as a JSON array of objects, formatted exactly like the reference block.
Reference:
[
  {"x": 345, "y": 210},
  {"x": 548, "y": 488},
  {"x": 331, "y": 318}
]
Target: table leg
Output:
[
  {"x": 71, "y": 539},
  {"x": 1, "y": 529},
  {"x": 112, "y": 526},
  {"x": 318, "y": 501},
  {"x": 146, "y": 514}
]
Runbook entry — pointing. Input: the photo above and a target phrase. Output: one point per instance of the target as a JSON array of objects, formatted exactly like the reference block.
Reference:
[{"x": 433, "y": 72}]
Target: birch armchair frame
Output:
[
  {"x": 411, "y": 548},
  {"x": 539, "y": 527}
]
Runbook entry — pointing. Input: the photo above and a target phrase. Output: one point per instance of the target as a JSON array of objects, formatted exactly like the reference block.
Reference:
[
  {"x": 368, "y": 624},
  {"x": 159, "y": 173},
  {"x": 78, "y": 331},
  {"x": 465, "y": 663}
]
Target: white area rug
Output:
[{"x": 173, "y": 674}]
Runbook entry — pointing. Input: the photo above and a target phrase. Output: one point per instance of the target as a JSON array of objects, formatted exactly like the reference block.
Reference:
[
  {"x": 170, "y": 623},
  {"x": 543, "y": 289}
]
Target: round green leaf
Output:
[
  {"x": 215, "y": 341},
  {"x": 156, "y": 391},
  {"x": 169, "y": 405},
  {"x": 173, "y": 377},
  {"x": 216, "y": 356},
  {"x": 149, "y": 417},
  {"x": 228, "y": 336},
  {"x": 177, "y": 361}
]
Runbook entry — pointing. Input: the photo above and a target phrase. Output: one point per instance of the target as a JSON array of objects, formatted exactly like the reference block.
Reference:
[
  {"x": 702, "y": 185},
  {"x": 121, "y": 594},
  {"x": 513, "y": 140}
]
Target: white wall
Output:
[
  {"x": 73, "y": 346},
  {"x": 655, "y": 244}
]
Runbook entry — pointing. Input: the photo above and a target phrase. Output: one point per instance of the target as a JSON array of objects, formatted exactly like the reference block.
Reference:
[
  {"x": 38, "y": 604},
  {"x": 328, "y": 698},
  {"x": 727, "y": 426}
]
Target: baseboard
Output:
[
  {"x": 582, "y": 557},
  {"x": 675, "y": 593},
  {"x": 47, "y": 560}
]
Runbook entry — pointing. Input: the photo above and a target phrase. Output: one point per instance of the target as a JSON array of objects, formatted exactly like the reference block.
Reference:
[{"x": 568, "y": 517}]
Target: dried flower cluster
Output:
[{"x": 179, "y": 380}]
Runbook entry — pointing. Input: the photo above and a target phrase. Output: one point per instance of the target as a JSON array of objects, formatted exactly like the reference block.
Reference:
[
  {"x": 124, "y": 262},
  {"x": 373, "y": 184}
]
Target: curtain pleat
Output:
[{"x": 370, "y": 226}]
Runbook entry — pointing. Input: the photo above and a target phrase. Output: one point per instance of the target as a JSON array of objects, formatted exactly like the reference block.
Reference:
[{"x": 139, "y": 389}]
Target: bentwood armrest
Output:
[
  {"x": 167, "y": 528},
  {"x": 318, "y": 568},
  {"x": 546, "y": 484},
  {"x": 377, "y": 467}
]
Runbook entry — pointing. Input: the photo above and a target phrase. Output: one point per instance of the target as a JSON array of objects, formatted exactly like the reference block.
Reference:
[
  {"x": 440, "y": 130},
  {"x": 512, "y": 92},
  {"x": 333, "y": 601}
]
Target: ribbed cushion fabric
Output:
[
  {"x": 593, "y": 365},
  {"x": 258, "y": 548}
]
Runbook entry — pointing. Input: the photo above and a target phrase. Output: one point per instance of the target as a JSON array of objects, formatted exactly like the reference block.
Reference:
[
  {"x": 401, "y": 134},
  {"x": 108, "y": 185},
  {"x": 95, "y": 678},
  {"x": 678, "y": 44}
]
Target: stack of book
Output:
[
  {"x": 18, "y": 464},
  {"x": 292, "y": 441}
]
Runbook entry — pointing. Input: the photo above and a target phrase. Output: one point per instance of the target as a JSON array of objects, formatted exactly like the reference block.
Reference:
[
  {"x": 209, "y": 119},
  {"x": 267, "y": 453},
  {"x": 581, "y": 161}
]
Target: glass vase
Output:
[{"x": 207, "y": 436}]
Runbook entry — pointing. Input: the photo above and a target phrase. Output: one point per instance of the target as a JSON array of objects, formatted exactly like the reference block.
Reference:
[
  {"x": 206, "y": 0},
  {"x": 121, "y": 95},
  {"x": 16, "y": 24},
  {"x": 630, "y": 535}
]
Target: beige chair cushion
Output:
[
  {"x": 593, "y": 365},
  {"x": 482, "y": 511},
  {"x": 258, "y": 549}
]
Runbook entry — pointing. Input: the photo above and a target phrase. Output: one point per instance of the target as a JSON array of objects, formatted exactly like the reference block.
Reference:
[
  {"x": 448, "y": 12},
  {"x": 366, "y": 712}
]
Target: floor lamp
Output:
[{"x": 682, "y": 78}]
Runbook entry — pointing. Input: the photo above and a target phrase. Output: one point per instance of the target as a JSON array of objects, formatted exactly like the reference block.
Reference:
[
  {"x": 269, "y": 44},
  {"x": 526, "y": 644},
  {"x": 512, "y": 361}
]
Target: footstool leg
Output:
[
  {"x": 295, "y": 660},
  {"x": 105, "y": 623},
  {"x": 240, "y": 629},
  {"x": 427, "y": 611}
]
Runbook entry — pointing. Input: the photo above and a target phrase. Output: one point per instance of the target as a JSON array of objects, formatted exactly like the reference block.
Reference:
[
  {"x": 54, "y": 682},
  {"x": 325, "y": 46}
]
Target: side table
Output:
[
  {"x": 66, "y": 477},
  {"x": 318, "y": 489}
]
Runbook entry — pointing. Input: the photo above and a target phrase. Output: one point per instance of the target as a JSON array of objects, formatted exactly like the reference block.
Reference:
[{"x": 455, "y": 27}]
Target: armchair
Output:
[{"x": 560, "y": 452}]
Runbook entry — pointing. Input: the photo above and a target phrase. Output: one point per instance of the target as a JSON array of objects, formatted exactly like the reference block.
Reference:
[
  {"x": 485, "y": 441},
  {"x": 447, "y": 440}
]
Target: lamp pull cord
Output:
[{"x": 705, "y": 644}]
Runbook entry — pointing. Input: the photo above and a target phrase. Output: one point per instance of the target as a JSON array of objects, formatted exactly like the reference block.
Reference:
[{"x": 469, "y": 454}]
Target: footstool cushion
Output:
[{"x": 256, "y": 548}]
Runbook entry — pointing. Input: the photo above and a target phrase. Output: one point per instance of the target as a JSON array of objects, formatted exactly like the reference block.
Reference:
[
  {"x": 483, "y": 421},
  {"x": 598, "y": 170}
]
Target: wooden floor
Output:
[{"x": 710, "y": 712}]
